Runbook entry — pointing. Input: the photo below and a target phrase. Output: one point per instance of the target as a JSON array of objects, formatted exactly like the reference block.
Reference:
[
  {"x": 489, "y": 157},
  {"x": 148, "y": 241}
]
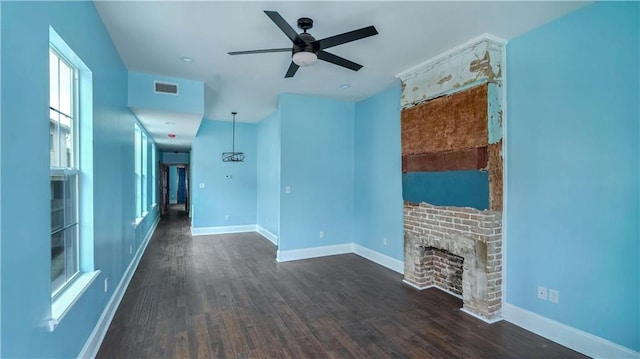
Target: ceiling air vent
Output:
[{"x": 165, "y": 87}]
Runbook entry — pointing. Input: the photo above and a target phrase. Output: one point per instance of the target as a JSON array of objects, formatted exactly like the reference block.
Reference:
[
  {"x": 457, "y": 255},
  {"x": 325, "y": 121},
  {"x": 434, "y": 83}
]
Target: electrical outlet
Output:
[
  {"x": 542, "y": 293},
  {"x": 384, "y": 241},
  {"x": 106, "y": 284},
  {"x": 226, "y": 218},
  {"x": 287, "y": 189},
  {"x": 201, "y": 185},
  {"x": 554, "y": 296},
  {"x": 321, "y": 234},
  {"x": 228, "y": 176}
]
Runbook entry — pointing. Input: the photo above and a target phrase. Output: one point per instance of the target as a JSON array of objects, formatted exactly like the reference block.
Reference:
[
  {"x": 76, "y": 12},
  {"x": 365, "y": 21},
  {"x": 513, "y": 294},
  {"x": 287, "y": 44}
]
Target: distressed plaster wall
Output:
[
  {"x": 474, "y": 63},
  {"x": 452, "y": 114}
]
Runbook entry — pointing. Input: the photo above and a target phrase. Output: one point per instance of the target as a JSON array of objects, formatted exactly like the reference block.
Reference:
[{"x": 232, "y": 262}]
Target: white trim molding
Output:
[
  {"x": 449, "y": 54},
  {"x": 313, "y": 252},
  {"x": 379, "y": 258},
  {"x": 578, "y": 340},
  {"x": 203, "y": 231},
  {"x": 267, "y": 234},
  {"x": 92, "y": 345},
  {"x": 489, "y": 321}
]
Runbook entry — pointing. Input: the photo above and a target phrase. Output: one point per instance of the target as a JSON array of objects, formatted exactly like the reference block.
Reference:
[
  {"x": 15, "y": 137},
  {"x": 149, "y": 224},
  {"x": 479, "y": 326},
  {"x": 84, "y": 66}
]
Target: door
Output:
[
  {"x": 164, "y": 189},
  {"x": 182, "y": 189}
]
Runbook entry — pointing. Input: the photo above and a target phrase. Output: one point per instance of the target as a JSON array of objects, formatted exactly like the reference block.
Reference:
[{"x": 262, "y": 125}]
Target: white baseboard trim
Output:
[
  {"x": 203, "y": 231},
  {"x": 563, "y": 334},
  {"x": 92, "y": 345},
  {"x": 304, "y": 253},
  {"x": 379, "y": 258},
  {"x": 413, "y": 285},
  {"x": 488, "y": 321},
  {"x": 459, "y": 296},
  {"x": 266, "y": 234}
]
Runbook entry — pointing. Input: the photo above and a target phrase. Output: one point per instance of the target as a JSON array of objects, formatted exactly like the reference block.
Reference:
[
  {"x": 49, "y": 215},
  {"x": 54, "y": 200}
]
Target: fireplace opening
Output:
[{"x": 444, "y": 269}]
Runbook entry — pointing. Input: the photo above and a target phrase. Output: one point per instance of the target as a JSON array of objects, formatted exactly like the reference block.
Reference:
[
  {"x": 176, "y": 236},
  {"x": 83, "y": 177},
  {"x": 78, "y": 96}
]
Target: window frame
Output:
[
  {"x": 137, "y": 164},
  {"x": 65, "y": 298},
  {"x": 65, "y": 171},
  {"x": 144, "y": 177}
]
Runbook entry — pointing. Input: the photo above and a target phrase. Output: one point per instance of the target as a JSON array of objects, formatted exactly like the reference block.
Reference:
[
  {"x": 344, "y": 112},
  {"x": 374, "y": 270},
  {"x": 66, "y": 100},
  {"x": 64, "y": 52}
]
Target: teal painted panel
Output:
[
  {"x": 450, "y": 188},
  {"x": 572, "y": 170}
]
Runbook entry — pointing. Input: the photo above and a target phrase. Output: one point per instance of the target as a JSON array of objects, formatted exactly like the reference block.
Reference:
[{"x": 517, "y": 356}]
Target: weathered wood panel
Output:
[
  {"x": 468, "y": 159},
  {"x": 449, "y": 123},
  {"x": 495, "y": 166}
]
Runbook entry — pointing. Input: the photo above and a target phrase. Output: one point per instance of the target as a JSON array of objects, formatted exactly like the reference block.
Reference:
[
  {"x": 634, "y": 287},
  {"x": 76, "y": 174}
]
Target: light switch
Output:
[
  {"x": 201, "y": 185},
  {"x": 287, "y": 189}
]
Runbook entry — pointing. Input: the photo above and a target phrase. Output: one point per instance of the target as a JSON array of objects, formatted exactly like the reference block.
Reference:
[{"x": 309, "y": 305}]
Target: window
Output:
[
  {"x": 141, "y": 153},
  {"x": 145, "y": 170},
  {"x": 64, "y": 172},
  {"x": 138, "y": 169},
  {"x": 153, "y": 174}
]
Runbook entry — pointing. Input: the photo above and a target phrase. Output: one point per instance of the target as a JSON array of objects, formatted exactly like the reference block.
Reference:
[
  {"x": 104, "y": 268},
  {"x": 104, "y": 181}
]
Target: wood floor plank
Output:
[{"x": 225, "y": 296}]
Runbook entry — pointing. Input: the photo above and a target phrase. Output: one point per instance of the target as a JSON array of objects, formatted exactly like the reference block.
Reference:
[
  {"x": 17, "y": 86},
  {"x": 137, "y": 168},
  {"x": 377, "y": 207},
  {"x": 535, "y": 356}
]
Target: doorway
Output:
[{"x": 175, "y": 187}]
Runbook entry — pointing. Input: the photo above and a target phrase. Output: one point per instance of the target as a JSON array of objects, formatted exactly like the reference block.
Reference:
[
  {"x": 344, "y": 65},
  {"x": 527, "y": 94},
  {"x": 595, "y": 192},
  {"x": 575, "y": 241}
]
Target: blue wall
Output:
[
  {"x": 234, "y": 197},
  {"x": 317, "y": 156},
  {"x": 378, "y": 173},
  {"x": 190, "y": 97},
  {"x": 25, "y": 245},
  {"x": 268, "y": 210},
  {"x": 176, "y": 158},
  {"x": 572, "y": 220}
]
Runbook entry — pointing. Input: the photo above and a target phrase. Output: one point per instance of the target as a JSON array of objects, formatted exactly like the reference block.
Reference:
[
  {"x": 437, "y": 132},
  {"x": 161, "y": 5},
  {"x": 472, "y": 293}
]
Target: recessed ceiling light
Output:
[
  {"x": 345, "y": 86},
  {"x": 186, "y": 59}
]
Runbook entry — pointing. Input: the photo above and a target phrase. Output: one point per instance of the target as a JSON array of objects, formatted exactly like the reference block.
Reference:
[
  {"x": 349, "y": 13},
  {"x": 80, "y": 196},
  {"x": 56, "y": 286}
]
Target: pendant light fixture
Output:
[{"x": 233, "y": 156}]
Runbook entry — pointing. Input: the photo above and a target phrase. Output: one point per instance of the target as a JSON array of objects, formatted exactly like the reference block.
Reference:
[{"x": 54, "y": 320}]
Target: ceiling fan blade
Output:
[
  {"x": 287, "y": 49},
  {"x": 292, "y": 70},
  {"x": 337, "y": 60},
  {"x": 346, "y": 37},
  {"x": 285, "y": 27}
]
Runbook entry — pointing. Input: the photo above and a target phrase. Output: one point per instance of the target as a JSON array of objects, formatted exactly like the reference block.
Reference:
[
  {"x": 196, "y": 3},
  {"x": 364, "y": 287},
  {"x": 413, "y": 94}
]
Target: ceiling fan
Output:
[{"x": 306, "y": 49}]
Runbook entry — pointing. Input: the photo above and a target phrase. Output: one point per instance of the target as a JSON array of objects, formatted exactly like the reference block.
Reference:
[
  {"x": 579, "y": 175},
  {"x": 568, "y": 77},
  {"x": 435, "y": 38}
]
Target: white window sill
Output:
[{"x": 63, "y": 303}]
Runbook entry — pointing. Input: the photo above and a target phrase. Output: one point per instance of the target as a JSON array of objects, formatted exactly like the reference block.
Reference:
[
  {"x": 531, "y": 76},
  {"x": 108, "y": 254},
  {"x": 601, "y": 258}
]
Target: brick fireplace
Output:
[
  {"x": 452, "y": 175},
  {"x": 473, "y": 235}
]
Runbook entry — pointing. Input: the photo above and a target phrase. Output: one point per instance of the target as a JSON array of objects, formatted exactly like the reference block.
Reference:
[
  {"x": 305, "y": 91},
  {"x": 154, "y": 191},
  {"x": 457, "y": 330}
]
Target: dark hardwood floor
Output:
[{"x": 225, "y": 296}]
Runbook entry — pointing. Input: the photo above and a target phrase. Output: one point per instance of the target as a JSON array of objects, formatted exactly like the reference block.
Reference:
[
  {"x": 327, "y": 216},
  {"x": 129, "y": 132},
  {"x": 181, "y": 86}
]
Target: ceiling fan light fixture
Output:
[{"x": 304, "y": 58}]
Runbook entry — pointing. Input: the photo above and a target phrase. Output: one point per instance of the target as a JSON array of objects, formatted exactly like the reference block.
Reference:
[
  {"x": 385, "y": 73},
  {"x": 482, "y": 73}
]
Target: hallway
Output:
[{"x": 225, "y": 296}]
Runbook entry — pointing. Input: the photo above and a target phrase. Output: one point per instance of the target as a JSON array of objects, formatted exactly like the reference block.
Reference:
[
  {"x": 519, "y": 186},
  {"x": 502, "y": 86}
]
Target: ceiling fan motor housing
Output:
[{"x": 309, "y": 44}]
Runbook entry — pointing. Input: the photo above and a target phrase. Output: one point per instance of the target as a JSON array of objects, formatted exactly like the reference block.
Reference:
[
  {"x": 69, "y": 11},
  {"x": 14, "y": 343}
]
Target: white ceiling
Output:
[{"x": 152, "y": 36}]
